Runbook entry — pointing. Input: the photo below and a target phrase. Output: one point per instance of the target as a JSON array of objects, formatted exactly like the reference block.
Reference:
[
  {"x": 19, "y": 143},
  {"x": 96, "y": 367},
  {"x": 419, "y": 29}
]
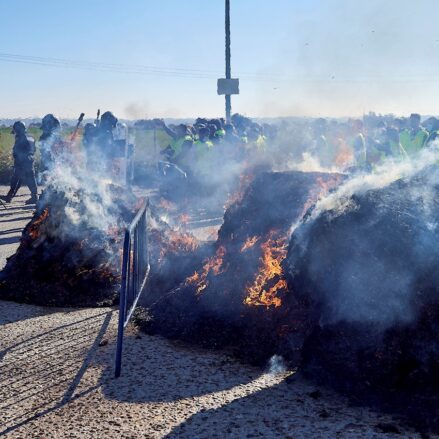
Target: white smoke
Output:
[
  {"x": 310, "y": 163},
  {"x": 87, "y": 193},
  {"x": 276, "y": 365},
  {"x": 388, "y": 172},
  {"x": 361, "y": 278}
]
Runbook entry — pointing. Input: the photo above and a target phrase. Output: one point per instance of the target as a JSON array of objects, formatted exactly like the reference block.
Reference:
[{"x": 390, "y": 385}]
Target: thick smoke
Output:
[
  {"x": 88, "y": 193},
  {"x": 388, "y": 172},
  {"x": 276, "y": 365},
  {"x": 369, "y": 248},
  {"x": 95, "y": 197}
]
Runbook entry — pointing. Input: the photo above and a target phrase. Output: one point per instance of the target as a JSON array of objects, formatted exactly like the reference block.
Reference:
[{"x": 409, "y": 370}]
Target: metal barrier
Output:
[{"x": 135, "y": 270}]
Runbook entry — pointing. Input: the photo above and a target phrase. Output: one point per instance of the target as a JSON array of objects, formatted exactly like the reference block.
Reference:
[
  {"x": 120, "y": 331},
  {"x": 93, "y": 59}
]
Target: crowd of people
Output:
[
  {"x": 367, "y": 143},
  {"x": 208, "y": 144},
  {"x": 354, "y": 144},
  {"x": 102, "y": 141},
  {"x": 201, "y": 147}
]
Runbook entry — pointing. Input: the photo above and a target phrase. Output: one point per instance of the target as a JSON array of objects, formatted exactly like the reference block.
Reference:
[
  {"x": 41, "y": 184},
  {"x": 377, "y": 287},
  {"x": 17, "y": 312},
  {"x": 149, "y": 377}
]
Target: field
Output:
[{"x": 148, "y": 146}]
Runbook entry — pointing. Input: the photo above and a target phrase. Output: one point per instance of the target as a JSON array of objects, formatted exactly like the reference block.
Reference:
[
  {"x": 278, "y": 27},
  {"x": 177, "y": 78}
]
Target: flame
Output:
[
  {"x": 236, "y": 197},
  {"x": 179, "y": 242},
  {"x": 320, "y": 190},
  {"x": 214, "y": 265},
  {"x": 34, "y": 228},
  {"x": 249, "y": 243},
  {"x": 268, "y": 282}
]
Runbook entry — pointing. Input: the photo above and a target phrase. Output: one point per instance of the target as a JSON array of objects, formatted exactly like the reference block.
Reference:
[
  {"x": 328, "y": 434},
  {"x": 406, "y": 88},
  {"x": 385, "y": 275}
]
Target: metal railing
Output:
[{"x": 135, "y": 270}]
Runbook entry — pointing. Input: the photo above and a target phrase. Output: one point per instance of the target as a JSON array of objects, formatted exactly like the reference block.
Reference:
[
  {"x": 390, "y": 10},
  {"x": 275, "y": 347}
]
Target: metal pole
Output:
[
  {"x": 228, "y": 56},
  {"x": 123, "y": 303}
]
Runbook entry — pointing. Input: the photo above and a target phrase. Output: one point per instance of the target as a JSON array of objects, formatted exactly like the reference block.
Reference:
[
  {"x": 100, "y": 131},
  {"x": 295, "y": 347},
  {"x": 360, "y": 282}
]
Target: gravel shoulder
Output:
[{"x": 56, "y": 373}]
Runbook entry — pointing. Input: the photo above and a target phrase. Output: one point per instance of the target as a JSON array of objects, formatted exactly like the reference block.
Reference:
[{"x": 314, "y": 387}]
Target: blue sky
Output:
[{"x": 294, "y": 57}]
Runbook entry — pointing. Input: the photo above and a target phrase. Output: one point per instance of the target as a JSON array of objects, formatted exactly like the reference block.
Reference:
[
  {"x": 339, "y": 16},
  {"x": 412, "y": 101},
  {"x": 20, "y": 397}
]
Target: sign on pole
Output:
[{"x": 228, "y": 86}]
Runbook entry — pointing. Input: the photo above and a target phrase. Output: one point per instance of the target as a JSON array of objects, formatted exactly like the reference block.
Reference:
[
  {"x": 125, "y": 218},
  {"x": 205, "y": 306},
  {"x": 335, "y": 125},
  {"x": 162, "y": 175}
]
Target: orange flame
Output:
[
  {"x": 214, "y": 265},
  {"x": 268, "y": 282},
  {"x": 179, "y": 242},
  {"x": 319, "y": 191},
  {"x": 244, "y": 182},
  {"x": 34, "y": 228},
  {"x": 249, "y": 243}
]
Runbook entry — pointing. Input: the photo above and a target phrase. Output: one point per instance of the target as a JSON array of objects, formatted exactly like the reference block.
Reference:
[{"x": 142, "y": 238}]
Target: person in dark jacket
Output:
[
  {"x": 50, "y": 142},
  {"x": 100, "y": 145},
  {"x": 23, "y": 153}
]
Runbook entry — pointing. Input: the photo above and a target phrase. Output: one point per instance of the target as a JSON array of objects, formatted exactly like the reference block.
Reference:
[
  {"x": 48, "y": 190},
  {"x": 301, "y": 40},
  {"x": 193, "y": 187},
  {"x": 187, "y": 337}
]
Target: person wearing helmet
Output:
[
  {"x": 201, "y": 150},
  {"x": 104, "y": 135},
  {"x": 23, "y": 153},
  {"x": 108, "y": 121},
  {"x": 102, "y": 149},
  {"x": 181, "y": 141},
  {"x": 219, "y": 133},
  {"x": 50, "y": 142}
]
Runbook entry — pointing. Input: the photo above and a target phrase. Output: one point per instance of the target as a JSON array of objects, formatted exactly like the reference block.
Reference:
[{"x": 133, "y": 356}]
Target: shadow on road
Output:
[
  {"x": 259, "y": 414},
  {"x": 181, "y": 372},
  {"x": 10, "y": 240},
  {"x": 42, "y": 373}
]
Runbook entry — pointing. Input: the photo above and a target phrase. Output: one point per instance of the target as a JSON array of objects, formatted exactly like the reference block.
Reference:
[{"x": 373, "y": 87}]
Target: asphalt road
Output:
[{"x": 12, "y": 221}]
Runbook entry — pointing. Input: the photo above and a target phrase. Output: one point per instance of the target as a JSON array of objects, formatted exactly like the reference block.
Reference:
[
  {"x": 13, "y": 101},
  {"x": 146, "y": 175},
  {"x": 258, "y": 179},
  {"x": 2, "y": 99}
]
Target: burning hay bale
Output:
[
  {"x": 174, "y": 255},
  {"x": 236, "y": 295},
  {"x": 70, "y": 252},
  {"x": 367, "y": 266}
]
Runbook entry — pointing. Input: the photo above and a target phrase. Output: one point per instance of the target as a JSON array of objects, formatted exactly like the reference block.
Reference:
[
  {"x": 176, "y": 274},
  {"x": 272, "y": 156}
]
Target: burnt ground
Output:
[{"x": 56, "y": 380}]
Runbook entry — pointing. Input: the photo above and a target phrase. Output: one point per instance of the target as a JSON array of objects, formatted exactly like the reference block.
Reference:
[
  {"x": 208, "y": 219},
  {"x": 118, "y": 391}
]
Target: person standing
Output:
[
  {"x": 24, "y": 156},
  {"x": 50, "y": 142},
  {"x": 181, "y": 141},
  {"x": 100, "y": 145},
  {"x": 415, "y": 137}
]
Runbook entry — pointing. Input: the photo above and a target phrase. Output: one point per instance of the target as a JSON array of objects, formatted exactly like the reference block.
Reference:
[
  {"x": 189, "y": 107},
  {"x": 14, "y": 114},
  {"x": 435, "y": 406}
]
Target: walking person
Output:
[{"x": 24, "y": 157}]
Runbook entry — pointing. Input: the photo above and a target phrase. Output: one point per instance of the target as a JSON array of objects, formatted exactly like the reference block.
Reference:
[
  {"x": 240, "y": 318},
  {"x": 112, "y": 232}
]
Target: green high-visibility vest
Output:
[
  {"x": 177, "y": 144},
  {"x": 397, "y": 150},
  {"x": 202, "y": 148},
  {"x": 261, "y": 143},
  {"x": 411, "y": 142},
  {"x": 220, "y": 133}
]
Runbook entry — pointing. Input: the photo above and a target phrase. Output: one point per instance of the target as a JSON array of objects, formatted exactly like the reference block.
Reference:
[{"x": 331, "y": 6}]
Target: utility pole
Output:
[
  {"x": 228, "y": 61},
  {"x": 228, "y": 86}
]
